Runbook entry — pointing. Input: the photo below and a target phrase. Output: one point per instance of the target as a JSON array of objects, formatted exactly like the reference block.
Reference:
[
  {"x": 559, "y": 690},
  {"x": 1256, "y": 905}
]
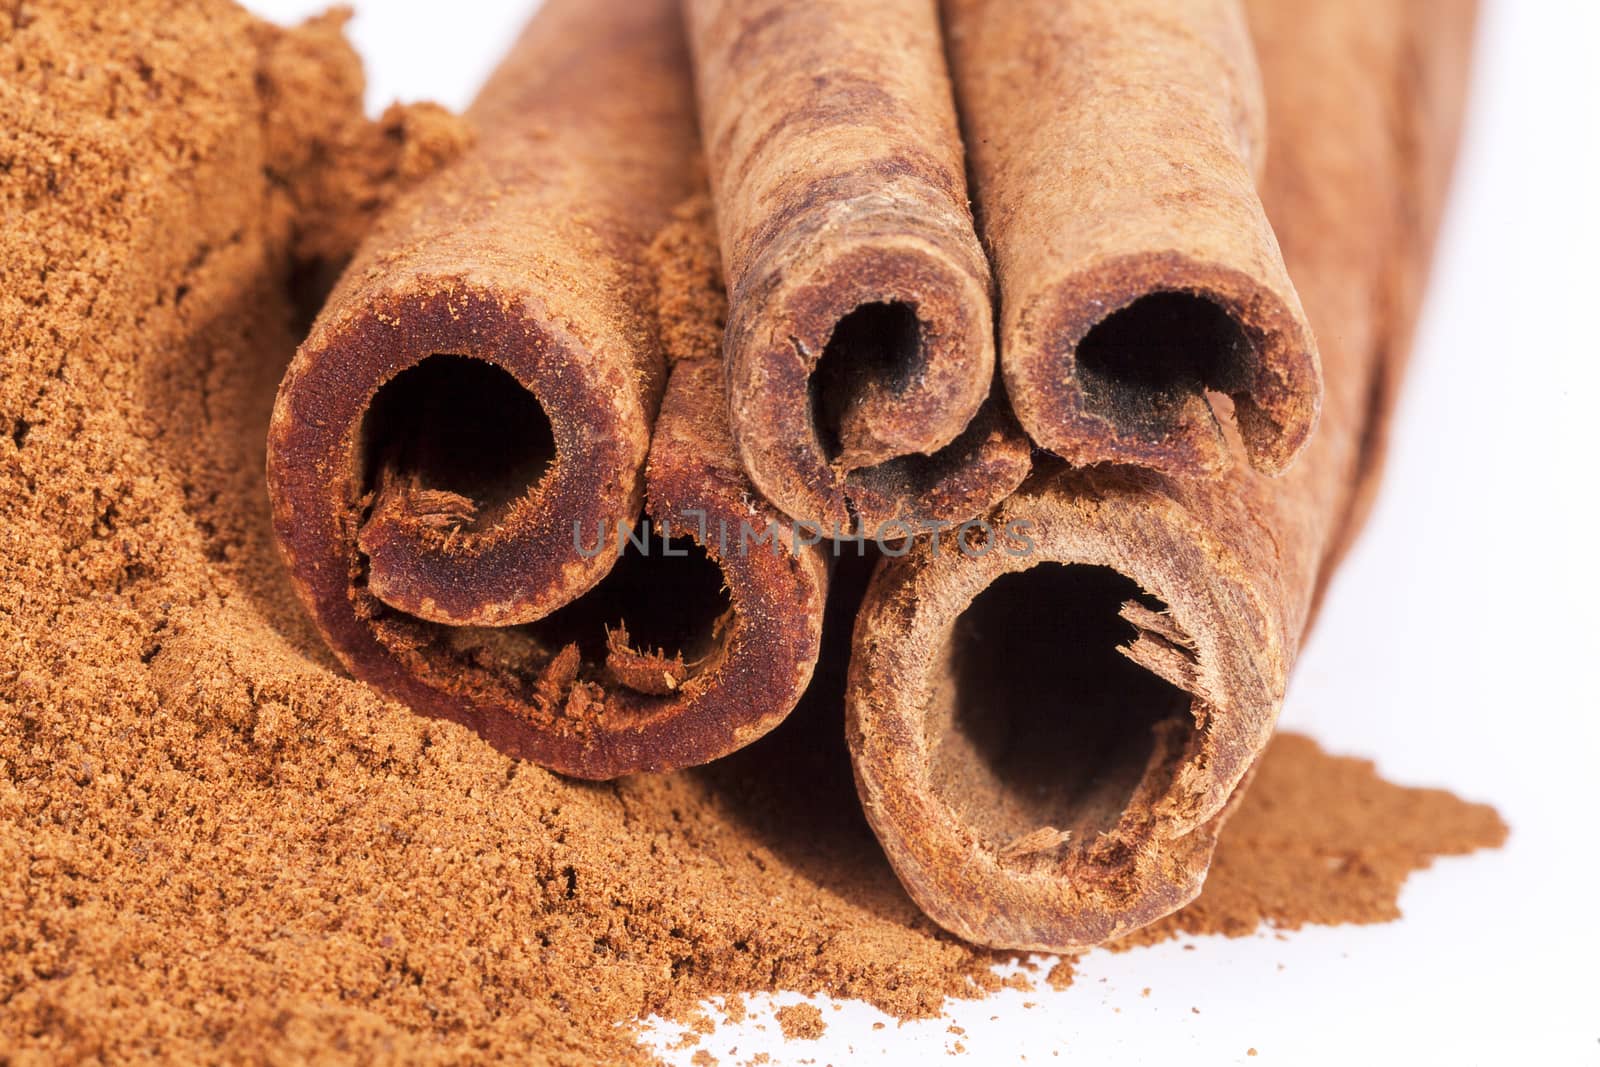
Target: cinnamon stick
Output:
[
  {"x": 1049, "y": 735},
  {"x": 485, "y": 376},
  {"x": 860, "y": 346},
  {"x": 1115, "y": 146},
  {"x": 704, "y": 633}
]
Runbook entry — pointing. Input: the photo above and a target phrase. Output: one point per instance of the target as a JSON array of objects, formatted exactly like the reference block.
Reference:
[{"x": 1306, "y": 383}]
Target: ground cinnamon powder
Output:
[
  {"x": 215, "y": 845},
  {"x": 801, "y": 1022}
]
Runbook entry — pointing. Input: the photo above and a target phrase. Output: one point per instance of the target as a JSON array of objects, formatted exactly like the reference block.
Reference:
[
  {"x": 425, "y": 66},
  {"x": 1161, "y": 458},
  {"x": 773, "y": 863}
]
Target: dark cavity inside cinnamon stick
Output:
[
  {"x": 1142, "y": 359},
  {"x": 656, "y": 621},
  {"x": 1114, "y": 148},
  {"x": 1047, "y": 729},
  {"x": 602, "y": 664},
  {"x": 875, "y": 350},
  {"x": 860, "y": 337},
  {"x": 451, "y": 442}
]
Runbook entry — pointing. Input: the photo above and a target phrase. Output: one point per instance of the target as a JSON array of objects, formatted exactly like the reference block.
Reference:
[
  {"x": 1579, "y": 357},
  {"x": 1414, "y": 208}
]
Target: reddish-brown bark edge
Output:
[
  {"x": 522, "y": 568},
  {"x": 1274, "y": 377},
  {"x": 762, "y": 661},
  {"x": 885, "y": 466},
  {"x": 1228, "y": 655}
]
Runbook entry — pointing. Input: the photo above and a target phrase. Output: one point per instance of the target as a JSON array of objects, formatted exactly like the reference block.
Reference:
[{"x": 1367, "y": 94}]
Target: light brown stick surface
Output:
[
  {"x": 485, "y": 376},
  {"x": 1047, "y": 738},
  {"x": 860, "y": 344},
  {"x": 1115, "y": 146}
]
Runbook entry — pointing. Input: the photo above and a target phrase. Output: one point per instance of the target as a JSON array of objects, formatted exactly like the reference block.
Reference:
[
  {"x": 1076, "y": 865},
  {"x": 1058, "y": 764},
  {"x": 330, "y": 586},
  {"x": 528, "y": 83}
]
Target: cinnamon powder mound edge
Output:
[{"x": 213, "y": 842}]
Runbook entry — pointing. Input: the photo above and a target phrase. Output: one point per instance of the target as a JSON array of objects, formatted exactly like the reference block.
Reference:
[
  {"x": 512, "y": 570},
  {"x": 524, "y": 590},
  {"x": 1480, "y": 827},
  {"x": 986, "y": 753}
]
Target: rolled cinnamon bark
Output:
[
  {"x": 860, "y": 345},
  {"x": 1115, "y": 146},
  {"x": 705, "y": 632},
  {"x": 1047, "y": 736},
  {"x": 484, "y": 378}
]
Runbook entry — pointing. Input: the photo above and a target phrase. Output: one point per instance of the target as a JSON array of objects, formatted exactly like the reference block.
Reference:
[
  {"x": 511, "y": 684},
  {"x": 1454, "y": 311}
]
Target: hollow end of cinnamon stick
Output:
[
  {"x": 1115, "y": 173},
  {"x": 860, "y": 347},
  {"x": 1120, "y": 364},
  {"x": 449, "y": 442},
  {"x": 860, "y": 376},
  {"x": 687, "y": 649},
  {"x": 482, "y": 383},
  {"x": 1047, "y": 737},
  {"x": 703, "y": 629}
]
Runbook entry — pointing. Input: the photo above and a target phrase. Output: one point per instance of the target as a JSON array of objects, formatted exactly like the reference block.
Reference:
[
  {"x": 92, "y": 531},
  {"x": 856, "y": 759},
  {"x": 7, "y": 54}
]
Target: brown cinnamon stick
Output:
[
  {"x": 704, "y": 633},
  {"x": 1048, "y": 736},
  {"x": 860, "y": 344},
  {"x": 1115, "y": 146},
  {"x": 486, "y": 374}
]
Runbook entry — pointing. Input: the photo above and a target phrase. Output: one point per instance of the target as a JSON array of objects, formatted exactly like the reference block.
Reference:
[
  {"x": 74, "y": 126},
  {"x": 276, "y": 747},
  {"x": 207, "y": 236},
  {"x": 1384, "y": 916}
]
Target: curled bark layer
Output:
[
  {"x": 1115, "y": 149},
  {"x": 485, "y": 376},
  {"x": 704, "y": 626},
  {"x": 1047, "y": 737},
  {"x": 860, "y": 347}
]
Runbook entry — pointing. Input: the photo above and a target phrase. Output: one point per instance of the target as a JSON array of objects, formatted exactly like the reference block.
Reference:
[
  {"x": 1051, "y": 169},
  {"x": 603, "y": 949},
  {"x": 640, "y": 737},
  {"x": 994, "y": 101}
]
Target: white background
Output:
[{"x": 1459, "y": 647}]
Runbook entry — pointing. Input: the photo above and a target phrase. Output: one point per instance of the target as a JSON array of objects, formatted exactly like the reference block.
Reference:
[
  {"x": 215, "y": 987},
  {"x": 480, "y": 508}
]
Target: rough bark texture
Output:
[
  {"x": 1115, "y": 149},
  {"x": 860, "y": 346},
  {"x": 526, "y": 258},
  {"x": 1047, "y": 799}
]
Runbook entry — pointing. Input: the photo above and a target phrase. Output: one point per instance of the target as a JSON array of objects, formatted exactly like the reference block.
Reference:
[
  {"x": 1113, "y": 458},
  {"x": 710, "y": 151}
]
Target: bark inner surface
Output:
[
  {"x": 1138, "y": 361},
  {"x": 460, "y": 438},
  {"x": 1047, "y": 732},
  {"x": 876, "y": 348},
  {"x": 661, "y": 617}
]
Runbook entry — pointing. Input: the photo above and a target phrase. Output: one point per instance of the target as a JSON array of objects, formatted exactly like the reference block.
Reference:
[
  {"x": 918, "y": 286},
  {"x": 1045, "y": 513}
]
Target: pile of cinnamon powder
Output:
[{"x": 217, "y": 845}]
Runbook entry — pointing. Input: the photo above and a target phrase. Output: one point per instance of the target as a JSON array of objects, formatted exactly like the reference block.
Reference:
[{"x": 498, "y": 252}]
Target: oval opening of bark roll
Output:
[
  {"x": 877, "y": 347},
  {"x": 460, "y": 437},
  {"x": 652, "y": 624},
  {"x": 1046, "y": 731},
  {"x": 662, "y": 606},
  {"x": 1161, "y": 345}
]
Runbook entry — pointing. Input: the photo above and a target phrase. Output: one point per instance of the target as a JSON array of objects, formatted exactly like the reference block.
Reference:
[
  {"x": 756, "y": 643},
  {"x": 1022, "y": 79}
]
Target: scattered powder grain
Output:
[
  {"x": 1323, "y": 839},
  {"x": 801, "y": 1022},
  {"x": 215, "y": 846}
]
